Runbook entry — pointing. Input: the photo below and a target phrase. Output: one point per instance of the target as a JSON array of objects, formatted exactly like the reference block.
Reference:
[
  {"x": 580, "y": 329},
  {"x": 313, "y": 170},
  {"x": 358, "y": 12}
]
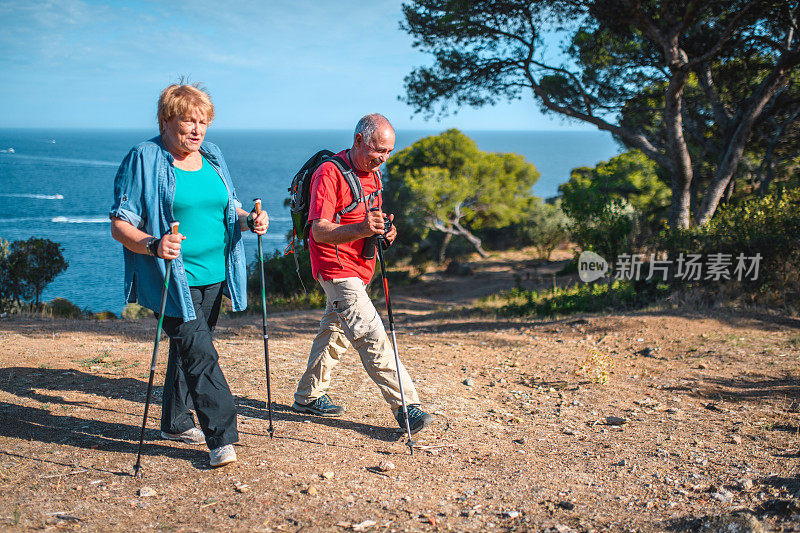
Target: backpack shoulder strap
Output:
[{"x": 352, "y": 180}]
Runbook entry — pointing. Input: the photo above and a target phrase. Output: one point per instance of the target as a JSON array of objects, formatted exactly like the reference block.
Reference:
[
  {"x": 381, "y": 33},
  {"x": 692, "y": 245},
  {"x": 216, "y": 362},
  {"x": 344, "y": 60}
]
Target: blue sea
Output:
[{"x": 58, "y": 184}]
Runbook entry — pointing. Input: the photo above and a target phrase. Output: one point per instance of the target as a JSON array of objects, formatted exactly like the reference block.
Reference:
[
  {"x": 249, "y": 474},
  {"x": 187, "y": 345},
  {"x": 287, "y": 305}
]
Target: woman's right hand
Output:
[{"x": 170, "y": 246}]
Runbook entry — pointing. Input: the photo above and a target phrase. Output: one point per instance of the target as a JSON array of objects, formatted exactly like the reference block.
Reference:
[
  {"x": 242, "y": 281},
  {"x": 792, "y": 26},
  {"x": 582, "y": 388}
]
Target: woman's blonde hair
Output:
[{"x": 180, "y": 100}]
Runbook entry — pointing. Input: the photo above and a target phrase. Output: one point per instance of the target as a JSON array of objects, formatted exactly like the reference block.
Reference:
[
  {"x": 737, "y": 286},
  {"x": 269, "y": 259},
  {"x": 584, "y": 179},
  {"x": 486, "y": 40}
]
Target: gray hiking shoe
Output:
[
  {"x": 417, "y": 418},
  {"x": 190, "y": 436},
  {"x": 222, "y": 456},
  {"x": 322, "y": 406}
]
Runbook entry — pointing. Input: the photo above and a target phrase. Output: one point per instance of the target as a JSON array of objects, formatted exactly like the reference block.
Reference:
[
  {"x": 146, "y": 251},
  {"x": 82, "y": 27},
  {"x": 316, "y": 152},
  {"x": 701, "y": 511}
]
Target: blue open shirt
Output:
[{"x": 144, "y": 189}]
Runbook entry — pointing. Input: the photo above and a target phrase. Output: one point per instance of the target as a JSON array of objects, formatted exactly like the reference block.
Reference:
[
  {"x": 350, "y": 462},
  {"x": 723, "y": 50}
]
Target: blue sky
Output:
[{"x": 267, "y": 64}]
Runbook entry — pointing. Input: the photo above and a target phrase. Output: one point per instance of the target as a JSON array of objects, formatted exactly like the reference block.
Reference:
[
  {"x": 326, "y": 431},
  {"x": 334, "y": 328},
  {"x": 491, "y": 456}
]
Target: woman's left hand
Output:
[{"x": 260, "y": 222}]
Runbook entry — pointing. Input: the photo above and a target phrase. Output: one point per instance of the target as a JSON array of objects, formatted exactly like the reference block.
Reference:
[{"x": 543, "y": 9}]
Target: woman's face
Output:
[{"x": 184, "y": 135}]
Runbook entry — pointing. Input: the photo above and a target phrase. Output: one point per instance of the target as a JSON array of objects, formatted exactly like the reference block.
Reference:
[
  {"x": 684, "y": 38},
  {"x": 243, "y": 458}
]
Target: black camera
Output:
[{"x": 368, "y": 251}]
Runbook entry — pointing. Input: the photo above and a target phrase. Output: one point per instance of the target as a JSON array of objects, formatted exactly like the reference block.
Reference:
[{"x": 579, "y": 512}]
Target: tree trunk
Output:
[
  {"x": 681, "y": 161},
  {"x": 473, "y": 240},
  {"x": 443, "y": 247},
  {"x": 741, "y": 134}
]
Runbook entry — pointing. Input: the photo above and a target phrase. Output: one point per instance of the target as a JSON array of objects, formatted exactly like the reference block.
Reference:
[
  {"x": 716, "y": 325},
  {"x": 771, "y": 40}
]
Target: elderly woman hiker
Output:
[{"x": 178, "y": 177}]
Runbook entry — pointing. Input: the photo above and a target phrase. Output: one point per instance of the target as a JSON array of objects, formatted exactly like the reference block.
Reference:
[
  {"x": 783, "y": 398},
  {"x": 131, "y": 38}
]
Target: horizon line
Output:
[{"x": 140, "y": 128}]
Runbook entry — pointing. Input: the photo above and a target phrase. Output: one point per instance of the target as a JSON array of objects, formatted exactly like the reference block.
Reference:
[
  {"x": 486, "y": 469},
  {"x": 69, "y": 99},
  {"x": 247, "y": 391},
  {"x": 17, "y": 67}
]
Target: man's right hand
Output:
[{"x": 373, "y": 224}]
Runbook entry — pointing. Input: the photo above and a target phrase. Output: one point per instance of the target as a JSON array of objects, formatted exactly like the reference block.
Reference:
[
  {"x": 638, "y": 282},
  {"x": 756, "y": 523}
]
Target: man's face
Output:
[{"x": 368, "y": 155}]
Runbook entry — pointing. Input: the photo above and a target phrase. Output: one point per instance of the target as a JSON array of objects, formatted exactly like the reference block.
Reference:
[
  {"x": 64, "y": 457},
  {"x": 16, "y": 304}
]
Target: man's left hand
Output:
[{"x": 392, "y": 233}]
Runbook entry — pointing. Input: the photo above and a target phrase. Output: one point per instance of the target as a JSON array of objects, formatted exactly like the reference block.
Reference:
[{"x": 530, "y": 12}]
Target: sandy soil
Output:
[{"x": 695, "y": 428}]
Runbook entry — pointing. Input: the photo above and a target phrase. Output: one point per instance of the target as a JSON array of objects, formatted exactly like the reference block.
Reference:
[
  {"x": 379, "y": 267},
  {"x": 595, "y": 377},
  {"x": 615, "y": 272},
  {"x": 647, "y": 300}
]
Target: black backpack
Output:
[{"x": 300, "y": 195}]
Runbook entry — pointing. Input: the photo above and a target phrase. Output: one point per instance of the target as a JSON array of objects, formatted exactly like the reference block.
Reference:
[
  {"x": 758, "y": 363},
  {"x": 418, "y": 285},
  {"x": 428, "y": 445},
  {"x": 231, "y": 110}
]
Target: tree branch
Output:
[
  {"x": 726, "y": 35},
  {"x": 721, "y": 115}
]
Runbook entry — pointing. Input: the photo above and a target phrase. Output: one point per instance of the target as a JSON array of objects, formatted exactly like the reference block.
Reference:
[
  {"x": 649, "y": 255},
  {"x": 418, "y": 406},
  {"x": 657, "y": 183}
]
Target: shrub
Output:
[
  {"x": 604, "y": 226},
  {"x": 134, "y": 311},
  {"x": 105, "y": 315},
  {"x": 766, "y": 225},
  {"x": 61, "y": 307},
  {"x": 545, "y": 227},
  {"x": 584, "y": 298},
  {"x": 283, "y": 286}
]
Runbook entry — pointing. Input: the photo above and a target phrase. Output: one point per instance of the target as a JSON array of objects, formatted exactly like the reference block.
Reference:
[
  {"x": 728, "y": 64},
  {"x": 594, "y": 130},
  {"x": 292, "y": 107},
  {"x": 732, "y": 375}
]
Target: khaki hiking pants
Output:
[{"x": 351, "y": 318}]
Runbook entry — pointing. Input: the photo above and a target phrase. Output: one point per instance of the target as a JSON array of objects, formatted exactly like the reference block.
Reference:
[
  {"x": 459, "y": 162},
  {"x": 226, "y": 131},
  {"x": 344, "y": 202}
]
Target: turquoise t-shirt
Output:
[{"x": 201, "y": 199}]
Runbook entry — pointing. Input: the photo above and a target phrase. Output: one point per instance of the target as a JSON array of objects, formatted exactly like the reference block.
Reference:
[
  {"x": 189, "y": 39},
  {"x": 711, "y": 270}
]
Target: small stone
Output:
[
  {"x": 723, "y": 495},
  {"x": 241, "y": 487},
  {"x": 386, "y": 466},
  {"x": 745, "y": 484},
  {"x": 566, "y": 505},
  {"x": 520, "y": 441},
  {"x": 511, "y": 514},
  {"x": 621, "y": 463},
  {"x": 615, "y": 420},
  {"x": 568, "y": 431},
  {"x": 561, "y": 528},
  {"x": 363, "y": 526},
  {"x": 702, "y": 366},
  {"x": 469, "y": 382},
  {"x": 736, "y": 439},
  {"x": 328, "y": 474},
  {"x": 146, "y": 492},
  {"x": 746, "y": 523},
  {"x": 311, "y": 490}
]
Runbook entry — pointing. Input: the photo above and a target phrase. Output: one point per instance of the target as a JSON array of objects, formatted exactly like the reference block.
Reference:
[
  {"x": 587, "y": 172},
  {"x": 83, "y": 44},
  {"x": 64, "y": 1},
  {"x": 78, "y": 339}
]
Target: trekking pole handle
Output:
[
  {"x": 257, "y": 207},
  {"x": 173, "y": 227}
]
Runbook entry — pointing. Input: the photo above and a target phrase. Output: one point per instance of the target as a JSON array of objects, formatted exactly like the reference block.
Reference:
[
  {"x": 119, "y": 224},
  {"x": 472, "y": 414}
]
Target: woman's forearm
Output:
[{"x": 131, "y": 237}]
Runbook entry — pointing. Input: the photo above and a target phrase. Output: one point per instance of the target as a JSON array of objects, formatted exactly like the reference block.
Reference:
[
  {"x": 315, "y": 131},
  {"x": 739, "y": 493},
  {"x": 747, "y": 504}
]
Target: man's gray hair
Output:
[{"x": 369, "y": 124}]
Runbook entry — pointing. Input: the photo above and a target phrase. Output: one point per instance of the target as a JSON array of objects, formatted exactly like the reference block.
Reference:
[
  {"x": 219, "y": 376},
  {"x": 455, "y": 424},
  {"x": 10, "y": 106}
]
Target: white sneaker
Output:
[
  {"x": 190, "y": 436},
  {"x": 222, "y": 456}
]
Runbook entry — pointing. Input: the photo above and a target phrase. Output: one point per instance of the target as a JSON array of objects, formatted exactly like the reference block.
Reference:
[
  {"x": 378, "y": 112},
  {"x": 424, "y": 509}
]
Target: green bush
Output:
[
  {"x": 61, "y": 307},
  {"x": 283, "y": 286},
  {"x": 766, "y": 225},
  {"x": 544, "y": 227},
  {"x": 104, "y": 315},
  {"x": 134, "y": 311},
  {"x": 583, "y": 298},
  {"x": 604, "y": 226},
  {"x": 617, "y": 206}
]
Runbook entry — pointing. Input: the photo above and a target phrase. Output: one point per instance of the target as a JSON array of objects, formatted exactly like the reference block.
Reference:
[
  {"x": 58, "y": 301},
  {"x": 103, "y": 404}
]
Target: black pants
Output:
[{"x": 194, "y": 378}]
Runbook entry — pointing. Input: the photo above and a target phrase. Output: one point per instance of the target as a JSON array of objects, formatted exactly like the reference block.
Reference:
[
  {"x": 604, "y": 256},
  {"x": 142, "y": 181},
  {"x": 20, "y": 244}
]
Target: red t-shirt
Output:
[{"x": 329, "y": 195}]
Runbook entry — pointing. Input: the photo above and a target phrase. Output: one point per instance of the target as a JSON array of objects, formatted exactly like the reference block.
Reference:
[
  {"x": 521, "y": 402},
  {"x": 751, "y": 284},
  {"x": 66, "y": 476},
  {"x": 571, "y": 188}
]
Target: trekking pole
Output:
[
  {"x": 264, "y": 320},
  {"x": 137, "y": 467},
  {"x": 394, "y": 344}
]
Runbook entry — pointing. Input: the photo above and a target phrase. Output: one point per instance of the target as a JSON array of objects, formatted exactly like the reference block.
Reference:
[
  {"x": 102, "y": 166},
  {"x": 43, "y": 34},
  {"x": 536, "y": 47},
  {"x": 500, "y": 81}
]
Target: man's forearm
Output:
[{"x": 329, "y": 232}]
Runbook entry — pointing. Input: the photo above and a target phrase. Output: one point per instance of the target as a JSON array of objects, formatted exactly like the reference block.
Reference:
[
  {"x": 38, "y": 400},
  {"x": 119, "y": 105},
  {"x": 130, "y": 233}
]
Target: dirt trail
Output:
[{"x": 706, "y": 406}]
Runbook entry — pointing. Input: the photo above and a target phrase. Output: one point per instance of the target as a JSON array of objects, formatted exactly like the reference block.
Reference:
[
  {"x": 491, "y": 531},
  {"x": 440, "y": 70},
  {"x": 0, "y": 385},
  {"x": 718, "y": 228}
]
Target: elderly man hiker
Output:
[{"x": 335, "y": 244}]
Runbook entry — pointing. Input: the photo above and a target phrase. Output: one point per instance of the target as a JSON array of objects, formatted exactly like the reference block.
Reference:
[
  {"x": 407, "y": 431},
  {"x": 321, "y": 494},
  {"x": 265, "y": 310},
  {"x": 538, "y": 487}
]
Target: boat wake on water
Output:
[
  {"x": 32, "y": 195},
  {"x": 80, "y": 220}
]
